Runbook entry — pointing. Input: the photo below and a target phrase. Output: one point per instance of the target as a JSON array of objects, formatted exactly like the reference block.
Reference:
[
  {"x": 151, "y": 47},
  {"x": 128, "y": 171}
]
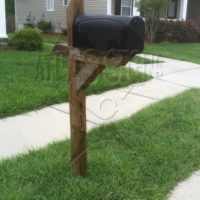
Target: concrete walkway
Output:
[
  {"x": 183, "y": 74},
  {"x": 36, "y": 129}
]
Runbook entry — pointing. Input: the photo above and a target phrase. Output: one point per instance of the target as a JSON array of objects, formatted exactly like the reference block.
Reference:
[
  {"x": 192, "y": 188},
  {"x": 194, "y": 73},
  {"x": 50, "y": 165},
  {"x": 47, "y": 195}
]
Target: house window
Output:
[
  {"x": 65, "y": 2},
  {"x": 172, "y": 9},
  {"x": 126, "y": 7},
  {"x": 50, "y": 5}
]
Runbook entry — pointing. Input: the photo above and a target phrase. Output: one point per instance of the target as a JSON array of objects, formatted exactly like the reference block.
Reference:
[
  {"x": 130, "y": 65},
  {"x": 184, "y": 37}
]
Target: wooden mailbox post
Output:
[{"x": 84, "y": 66}]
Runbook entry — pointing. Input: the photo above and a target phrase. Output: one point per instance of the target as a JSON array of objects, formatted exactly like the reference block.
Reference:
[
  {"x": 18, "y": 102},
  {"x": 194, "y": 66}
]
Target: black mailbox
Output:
[{"x": 109, "y": 33}]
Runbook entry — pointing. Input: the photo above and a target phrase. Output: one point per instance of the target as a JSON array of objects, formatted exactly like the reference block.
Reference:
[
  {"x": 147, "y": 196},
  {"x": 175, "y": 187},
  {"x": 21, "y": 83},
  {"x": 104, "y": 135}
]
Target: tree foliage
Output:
[
  {"x": 151, "y": 11},
  {"x": 151, "y": 6}
]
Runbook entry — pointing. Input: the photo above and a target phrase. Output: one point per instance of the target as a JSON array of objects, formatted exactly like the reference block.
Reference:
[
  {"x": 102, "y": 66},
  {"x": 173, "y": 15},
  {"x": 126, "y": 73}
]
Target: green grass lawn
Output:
[
  {"x": 54, "y": 39},
  {"x": 31, "y": 80},
  {"x": 139, "y": 158},
  {"x": 141, "y": 60},
  {"x": 181, "y": 51}
]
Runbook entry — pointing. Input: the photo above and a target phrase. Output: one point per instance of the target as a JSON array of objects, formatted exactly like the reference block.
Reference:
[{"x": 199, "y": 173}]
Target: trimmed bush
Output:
[
  {"x": 178, "y": 31},
  {"x": 44, "y": 26},
  {"x": 64, "y": 31},
  {"x": 27, "y": 39}
]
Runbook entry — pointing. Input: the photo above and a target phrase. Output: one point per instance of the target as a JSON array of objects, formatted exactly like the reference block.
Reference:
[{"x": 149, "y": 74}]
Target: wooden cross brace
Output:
[{"x": 84, "y": 66}]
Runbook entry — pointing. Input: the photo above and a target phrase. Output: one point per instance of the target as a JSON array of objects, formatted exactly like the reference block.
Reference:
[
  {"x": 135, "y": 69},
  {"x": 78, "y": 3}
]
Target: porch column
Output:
[
  {"x": 183, "y": 10},
  {"x": 3, "y": 35},
  {"x": 109, "y": 7}
]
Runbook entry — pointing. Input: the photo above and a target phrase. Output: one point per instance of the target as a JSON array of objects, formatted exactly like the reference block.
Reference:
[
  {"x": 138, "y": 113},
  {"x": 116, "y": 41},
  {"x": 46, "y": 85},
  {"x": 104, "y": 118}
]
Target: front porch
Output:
[
  {"x": 176, "y": 9},
  {"x": 183, "y": 10},
  {"x": 123, "y": 7},
  {"x": 193, "y": 10}
]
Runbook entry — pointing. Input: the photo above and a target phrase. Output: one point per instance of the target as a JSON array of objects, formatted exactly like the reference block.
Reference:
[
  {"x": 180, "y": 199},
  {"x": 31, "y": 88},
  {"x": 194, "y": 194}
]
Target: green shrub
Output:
[
  {"x": 178, "y": 31},
  {"x": 64, "y": 31},
  {"x": 28, "y": 39},
  {"x": 44, "y": 26}
]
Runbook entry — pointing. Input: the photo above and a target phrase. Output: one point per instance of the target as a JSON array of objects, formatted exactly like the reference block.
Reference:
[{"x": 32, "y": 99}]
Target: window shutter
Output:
[{"x": 117, "y": 7}]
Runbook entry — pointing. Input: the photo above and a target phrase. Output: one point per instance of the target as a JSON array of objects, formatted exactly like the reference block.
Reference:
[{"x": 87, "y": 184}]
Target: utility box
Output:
[{"x": 105, "y": 33}]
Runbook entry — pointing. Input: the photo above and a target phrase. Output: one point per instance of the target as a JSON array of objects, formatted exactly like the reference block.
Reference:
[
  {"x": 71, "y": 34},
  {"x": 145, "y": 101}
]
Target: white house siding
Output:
[
  {"x": 58, "y": 16},
  {"x": 38, "y": 12},
  {"x": 96, "y": 6}
]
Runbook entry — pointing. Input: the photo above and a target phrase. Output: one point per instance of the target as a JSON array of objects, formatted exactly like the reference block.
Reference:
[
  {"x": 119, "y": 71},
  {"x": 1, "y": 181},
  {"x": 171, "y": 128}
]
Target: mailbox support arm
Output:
[{"x": 87, "y": 74}]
